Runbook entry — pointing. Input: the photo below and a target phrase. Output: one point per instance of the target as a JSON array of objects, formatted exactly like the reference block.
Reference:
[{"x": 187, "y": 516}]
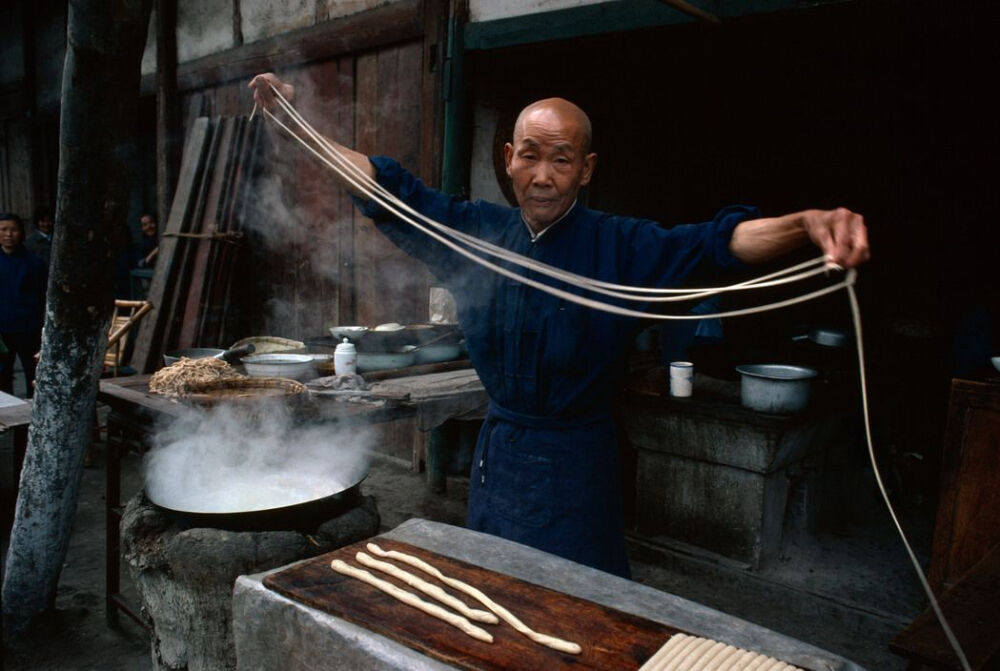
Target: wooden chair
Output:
[{"x": 124, "y": 318}]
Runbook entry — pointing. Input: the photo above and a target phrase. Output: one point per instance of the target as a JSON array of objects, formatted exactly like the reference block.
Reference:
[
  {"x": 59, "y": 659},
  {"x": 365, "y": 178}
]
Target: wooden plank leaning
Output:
[{"x": 149, "y": 341}]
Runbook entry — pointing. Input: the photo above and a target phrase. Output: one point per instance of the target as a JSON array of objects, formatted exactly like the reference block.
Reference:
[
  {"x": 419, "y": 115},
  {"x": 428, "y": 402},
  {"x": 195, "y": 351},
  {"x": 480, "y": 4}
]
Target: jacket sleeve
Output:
[
  {"x": 654, "y": 256},
  {"x": 440, "y": 207}
]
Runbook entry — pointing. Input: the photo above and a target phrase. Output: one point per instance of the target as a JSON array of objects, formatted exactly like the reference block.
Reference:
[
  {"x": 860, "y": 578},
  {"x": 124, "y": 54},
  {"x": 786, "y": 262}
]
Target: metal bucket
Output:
[{"x": 775, "y": 388}]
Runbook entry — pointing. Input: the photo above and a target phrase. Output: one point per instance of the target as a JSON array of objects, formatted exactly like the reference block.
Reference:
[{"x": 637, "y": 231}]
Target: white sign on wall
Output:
[{"x": 490, "y": 10}]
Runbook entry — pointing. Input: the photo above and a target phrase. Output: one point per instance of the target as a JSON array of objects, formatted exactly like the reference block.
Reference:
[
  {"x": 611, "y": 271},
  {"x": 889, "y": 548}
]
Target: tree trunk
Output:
[{"x": 100, "y": 93}]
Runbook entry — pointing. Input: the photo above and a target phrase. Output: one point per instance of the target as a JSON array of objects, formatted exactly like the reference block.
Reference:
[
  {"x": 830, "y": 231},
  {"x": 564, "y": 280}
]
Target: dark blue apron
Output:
[{"x": 551, "y": 483}]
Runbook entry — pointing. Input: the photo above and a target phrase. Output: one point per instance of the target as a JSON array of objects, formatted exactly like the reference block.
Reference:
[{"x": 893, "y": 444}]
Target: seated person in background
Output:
[
  {"x": 23, "y": 280},
  {"x": 39, "y": 241},
  {"x": 149, "y": 245},
  {"x": 141, "y": 254}
]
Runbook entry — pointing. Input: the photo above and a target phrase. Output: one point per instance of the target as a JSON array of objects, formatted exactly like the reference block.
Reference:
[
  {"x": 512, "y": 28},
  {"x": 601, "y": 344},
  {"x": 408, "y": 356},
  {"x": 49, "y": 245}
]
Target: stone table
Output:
[{"x": 274, "y": 632}]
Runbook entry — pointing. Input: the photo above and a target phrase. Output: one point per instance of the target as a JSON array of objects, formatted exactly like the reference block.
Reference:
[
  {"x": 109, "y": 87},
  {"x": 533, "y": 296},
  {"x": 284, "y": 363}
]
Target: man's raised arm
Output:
[{"x": 263, "y": 95}]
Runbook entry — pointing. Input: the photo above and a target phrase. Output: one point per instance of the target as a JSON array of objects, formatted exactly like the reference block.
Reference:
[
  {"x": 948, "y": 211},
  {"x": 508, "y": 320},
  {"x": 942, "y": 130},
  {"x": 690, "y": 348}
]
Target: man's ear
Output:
[
  {"x": 589, "y": 165},
  {"x": 508, "y": 155}
]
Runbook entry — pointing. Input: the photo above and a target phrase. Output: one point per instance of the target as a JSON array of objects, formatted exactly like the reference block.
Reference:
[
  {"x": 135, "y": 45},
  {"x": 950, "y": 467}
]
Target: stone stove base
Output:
[{"x": 184, "y": 577}]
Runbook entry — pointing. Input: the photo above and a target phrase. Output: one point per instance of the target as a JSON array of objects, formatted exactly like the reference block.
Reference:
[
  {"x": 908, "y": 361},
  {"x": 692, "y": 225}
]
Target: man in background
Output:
[
  {"x": 39, "y": 241},
  {"x": 23, "y": 282}
]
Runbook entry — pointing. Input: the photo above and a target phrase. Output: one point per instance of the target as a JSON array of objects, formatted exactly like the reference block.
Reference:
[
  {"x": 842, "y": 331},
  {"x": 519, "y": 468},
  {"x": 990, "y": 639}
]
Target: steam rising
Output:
[{"x": 224, "y": 460}]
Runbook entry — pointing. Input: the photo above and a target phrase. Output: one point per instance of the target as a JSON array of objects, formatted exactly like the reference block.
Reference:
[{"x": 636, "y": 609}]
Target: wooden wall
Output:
[{"x": 317, "y": 262}]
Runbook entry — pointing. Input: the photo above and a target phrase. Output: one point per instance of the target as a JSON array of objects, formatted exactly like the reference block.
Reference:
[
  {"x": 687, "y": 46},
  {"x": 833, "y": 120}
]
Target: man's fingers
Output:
[
  {"x": 263, "y": 93},
  {"x": 842, "y": 236}
]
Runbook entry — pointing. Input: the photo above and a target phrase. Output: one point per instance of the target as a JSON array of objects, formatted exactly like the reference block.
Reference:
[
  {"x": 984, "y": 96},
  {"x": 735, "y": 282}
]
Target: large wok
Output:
[{"x": 302, "y": 516}]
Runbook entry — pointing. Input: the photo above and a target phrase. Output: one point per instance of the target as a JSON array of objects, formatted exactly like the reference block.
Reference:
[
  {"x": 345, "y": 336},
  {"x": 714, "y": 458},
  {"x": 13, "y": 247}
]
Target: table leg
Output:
[{"x": 117, "y": 446}]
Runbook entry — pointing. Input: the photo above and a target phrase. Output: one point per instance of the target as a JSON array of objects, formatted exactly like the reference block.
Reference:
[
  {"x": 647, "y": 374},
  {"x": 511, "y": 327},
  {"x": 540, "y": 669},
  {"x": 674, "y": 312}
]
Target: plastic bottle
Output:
[{"x": 345, "y": 358}]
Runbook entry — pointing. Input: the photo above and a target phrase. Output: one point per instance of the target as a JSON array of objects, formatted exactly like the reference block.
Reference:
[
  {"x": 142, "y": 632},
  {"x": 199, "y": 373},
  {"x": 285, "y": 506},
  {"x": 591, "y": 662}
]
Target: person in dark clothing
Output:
[
  {"x": 149, "y": 244},
  {"x": 22, "y": 303},
  {"x": 39, "y": 241},
  {"x": 141, "y": 254},
  {"x": 545, "y": 471}
]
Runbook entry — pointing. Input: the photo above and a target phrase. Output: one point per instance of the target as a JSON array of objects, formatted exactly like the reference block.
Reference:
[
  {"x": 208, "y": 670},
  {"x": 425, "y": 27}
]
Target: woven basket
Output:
[{"x": 244, "y": 390}]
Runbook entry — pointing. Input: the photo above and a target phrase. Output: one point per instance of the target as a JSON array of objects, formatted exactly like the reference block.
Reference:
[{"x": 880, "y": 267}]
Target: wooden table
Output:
[{"x": 15, "y": 416}]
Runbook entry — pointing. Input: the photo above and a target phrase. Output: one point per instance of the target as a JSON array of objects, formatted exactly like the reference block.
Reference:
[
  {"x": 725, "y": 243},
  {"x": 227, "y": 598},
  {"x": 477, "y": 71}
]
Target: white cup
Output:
[{"x": 681, "y": 378}]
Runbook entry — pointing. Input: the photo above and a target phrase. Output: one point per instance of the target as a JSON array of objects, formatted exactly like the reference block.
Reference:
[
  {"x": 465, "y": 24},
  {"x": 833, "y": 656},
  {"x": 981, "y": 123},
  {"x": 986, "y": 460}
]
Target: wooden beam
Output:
[
  {"x": 388, "y": 24},
  {"x": 168, "y": 132}
]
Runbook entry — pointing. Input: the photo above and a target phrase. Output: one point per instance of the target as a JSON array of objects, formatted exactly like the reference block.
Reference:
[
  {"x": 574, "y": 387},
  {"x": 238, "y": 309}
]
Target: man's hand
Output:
[
  {"x": 263, "y": 94},
  {"x": 840, "y": 233}
]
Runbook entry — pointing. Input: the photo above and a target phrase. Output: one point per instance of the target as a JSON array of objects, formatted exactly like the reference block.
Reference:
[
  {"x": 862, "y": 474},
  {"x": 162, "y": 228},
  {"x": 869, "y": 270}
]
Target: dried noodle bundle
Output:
[{"x": 175, "y": 379}]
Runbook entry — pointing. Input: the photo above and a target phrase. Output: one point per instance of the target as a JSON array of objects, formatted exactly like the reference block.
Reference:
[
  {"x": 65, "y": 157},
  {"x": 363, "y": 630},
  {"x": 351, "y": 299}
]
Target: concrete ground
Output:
[{"x": 847, "y": 593}]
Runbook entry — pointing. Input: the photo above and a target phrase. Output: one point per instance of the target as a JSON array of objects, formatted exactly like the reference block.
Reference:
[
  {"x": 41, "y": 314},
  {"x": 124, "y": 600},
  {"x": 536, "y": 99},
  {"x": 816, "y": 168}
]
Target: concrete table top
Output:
[{"x": 274, "y": 632}]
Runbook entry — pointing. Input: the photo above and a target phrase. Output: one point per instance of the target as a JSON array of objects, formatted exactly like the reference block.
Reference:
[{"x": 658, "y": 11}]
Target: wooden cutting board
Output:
[{"x": 610, "y": 639}]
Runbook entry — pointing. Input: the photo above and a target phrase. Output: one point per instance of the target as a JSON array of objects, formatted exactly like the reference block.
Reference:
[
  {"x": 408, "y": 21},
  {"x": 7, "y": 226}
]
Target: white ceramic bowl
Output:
[
  {"x": 996, "y": 362},
  {"x": 292, "y": 366},
  {"x": 352, "y": 333}
]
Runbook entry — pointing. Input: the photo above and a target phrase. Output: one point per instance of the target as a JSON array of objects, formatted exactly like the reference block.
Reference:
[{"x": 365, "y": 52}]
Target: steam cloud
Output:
[{"x": 230, "y": 460}]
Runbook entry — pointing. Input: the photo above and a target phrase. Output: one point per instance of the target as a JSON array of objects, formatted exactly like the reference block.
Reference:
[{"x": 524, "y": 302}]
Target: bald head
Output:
[
  {"x": 561, "y": 112},
  {"x": 549, "y": 160}
]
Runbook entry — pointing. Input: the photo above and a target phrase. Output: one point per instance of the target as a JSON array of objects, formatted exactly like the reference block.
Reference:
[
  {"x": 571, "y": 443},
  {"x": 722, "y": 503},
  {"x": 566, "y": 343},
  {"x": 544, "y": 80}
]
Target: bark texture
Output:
[{"x": 100, "y": 92}]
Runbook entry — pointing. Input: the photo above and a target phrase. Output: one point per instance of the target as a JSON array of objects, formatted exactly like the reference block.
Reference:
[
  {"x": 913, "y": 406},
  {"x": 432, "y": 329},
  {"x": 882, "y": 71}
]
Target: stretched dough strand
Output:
[
  {"x": 427, "y": 588},
  {"x": 503, "y": 613},
  {"x": 409, "y": 599}
]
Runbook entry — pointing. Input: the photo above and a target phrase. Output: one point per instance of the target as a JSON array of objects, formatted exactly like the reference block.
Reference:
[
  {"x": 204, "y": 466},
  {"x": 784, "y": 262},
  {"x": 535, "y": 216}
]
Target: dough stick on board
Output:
[
  {"x": 427, "y": 588},
  {"x": 725, "y": 658},
  {"x": 712, "y": 659},
  {"x": 503, "y": 613},
  {"x": 686, "y": 644},
  {"x": 687, "y": 659},
  {"x": 678, "y": 645},
  {"x": 660, "y": 654},
  {"x": 412, "y": 600}
]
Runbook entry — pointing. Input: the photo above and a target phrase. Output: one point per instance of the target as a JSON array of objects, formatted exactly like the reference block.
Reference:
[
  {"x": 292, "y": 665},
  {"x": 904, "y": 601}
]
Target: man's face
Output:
[
  {"x": 148, "y": 226},
  {"x": 10, "y": 235},
  {"x": 547, "y": 164},
  {"x": 44, "y": 224}
]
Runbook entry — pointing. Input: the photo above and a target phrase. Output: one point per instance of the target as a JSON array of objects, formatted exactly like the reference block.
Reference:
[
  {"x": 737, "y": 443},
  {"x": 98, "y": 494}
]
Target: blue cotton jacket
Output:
[
  {"x": 22, "y": 291},
  {"x": 535, "y": 353}
]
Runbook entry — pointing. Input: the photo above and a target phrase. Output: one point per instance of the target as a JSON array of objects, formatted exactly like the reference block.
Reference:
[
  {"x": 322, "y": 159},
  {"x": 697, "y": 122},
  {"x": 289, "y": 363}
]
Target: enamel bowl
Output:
[{"x": 292, "y": 366}]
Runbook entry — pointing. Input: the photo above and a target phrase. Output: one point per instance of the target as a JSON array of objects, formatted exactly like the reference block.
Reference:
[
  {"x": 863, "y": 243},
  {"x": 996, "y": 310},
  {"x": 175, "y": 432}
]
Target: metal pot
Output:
[{"x": 775, "y": 388}]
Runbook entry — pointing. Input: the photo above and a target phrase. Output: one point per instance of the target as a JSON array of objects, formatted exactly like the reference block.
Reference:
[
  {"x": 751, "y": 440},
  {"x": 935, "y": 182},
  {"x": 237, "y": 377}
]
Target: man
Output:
[
  {"x": 149, "y": 244},
  {"x": 22, "y": 303},
  {"x": 39, "y": 241},
  {"x": 545, "y": 471}
]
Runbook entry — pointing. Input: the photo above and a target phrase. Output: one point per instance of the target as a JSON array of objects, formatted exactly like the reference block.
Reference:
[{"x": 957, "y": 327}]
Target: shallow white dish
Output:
[
  {"x": 996, "y": 362},
  {"x": 352, "y": 333},
  {"x": 293, "y": 366},
  {"x": 391, "y": 326}
]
